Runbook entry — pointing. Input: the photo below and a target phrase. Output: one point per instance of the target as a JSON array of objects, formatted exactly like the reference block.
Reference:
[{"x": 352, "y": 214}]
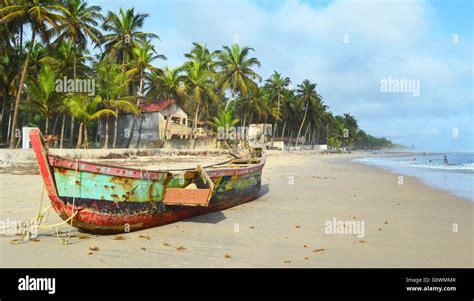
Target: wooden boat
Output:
[{"x": 100, "y": 198}]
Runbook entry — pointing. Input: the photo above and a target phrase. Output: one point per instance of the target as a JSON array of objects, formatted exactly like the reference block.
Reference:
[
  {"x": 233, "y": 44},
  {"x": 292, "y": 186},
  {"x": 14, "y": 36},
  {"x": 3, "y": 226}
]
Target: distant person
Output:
[
  {"x": 429, "y": 161},
  {"x": 414, "y": 159},
  {"x": 423, "y": 153},
  {"x": 445, "y": 159}
]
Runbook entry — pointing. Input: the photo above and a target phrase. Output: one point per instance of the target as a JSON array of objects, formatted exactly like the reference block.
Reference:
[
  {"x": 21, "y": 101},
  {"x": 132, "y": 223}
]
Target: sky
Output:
[{"x": 403, "y": 68}]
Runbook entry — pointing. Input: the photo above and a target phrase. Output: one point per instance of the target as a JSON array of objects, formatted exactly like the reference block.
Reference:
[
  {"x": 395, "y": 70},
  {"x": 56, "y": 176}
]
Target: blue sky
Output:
[{"x": 426, "y": 41}]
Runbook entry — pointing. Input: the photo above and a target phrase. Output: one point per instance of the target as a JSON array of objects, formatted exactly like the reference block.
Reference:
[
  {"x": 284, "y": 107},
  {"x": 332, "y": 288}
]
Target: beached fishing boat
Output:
[{"x": 101, "y": 198}]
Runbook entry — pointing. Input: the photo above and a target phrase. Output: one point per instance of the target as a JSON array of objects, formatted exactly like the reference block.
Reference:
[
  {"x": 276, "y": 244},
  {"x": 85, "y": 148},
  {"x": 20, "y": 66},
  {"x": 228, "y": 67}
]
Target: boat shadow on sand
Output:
[{"x": 216, "y": 217}]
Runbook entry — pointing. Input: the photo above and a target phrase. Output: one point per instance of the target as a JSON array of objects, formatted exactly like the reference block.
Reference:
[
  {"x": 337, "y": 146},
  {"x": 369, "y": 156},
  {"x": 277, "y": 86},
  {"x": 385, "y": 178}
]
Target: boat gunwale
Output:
[{"x": 55, "y": 161}]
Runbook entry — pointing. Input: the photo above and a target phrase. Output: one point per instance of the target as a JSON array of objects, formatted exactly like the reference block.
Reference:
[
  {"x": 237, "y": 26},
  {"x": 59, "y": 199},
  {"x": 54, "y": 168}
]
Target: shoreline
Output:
[{"x": 408, "y": 225}]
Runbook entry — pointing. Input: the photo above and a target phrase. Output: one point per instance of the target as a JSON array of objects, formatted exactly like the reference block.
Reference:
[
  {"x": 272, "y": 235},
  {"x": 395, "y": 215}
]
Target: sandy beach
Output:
[{"x": 409, "y": 225}]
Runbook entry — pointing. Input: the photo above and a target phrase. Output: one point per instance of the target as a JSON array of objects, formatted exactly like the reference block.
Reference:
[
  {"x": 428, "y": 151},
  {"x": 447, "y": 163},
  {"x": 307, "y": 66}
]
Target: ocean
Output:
[{"x": 456, "y": 176}]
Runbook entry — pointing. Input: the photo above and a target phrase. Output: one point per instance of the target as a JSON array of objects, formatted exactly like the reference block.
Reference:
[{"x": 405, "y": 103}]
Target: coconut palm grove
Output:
[{"x": 43, "y": 42}]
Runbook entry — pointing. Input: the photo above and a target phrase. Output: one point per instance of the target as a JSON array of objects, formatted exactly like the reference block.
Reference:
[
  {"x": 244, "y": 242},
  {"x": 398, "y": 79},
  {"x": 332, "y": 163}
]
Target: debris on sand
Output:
[
  {"x": 166, "y": 244},
  {"x": 181, "y": 248},
  {"x": 319, "y": 250},
  {"x": 94, "y": 248},
  {"x": 227, "y": 256},
  {"x": 119, "y": 237},
  {"x": 144, "y": 236},
  {"x": 287, "y": 261}
]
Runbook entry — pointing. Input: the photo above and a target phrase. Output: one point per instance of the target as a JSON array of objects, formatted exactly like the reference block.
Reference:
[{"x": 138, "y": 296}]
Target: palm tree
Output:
[
  {"x": 276, "y": 84},
  {"x": 169, "y": 83},
  {"x": 111, "y": 86},
  {"x": 80, "y": 24},
  {"x": 235, "y": 69},
  {"x": 43, "y": 97},
  {"x": 84, "y": 108},
  {"x": 290, "y": 111},
  {"x": 200, "y": 82},
  {"x": 307, "y": 92},
  {"x": 224, "y": 123},
  {"x": 200, "y": 53},
  {"x": 124, "y": 34},
  {"x": 38, "y": 14},
  {"x": 67, "y": 61},
  {"x": 143, "y": 56}
]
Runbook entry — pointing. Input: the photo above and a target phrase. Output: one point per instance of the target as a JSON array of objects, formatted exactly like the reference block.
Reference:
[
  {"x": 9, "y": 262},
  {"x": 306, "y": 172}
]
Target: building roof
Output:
[{"x": 156, "y": 105}]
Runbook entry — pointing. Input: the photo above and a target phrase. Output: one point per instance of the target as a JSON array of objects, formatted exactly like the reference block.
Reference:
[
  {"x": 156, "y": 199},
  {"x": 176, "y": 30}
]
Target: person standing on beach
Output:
[{"x": 445, "y": 159}]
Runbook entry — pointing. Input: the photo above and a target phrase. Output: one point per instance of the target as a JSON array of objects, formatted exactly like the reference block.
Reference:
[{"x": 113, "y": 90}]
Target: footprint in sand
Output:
[
  {"x": 386, "y": 223},
  {"x": 94, "y": 248},
  {"x": 119, "y": 237},
  {"x": 306, "y": 258},
  {"x": 362, "y": 241},
  {"x": 144, "y": 236},
  {"x": 297, "y": 226},
  {"x": 166, "y": 244},
  {"x": 143, "y": 248},
  {"x": 227, "y": 256},
  {"x": 252, "y": 227},
  {"x": 287, "y": 261},
  {"x": 181, "y": 248}
]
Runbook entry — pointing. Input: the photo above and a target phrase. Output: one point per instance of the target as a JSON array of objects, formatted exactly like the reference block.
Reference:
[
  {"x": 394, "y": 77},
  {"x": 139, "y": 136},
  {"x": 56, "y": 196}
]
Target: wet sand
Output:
[{"x": 409, "y": 225}]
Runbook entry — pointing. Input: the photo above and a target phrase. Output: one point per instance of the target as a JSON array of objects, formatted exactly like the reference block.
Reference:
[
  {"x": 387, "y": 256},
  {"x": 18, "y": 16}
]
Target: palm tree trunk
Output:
[
  {"x": 71, "y": 134},
  {"x": 139, "y": 132},
  {"x": 86, "y": 140},
  {"x": 195, "y": 121},
  {"x": 55, "y": 125},
  {"x": 62, "y": 131},
  {"x": 20, "y": 89},
  {"x": 291, "y": 135},
  {"x": 283, "y": 132},
  {"x": 4, "y": 106},
  {"x": 46, "y": 126},
  {"x": 306, "y": 132},
  {"x": 302, "y": 122},
  {"x": 79, "y": 138},
  {"x": 106, "y": 142},
  {"x": 167, "y": 123},
  {"x": 115, "y": 128},
  {"x": 134, "y": 118},
  {"x": 9, "y": 121}
]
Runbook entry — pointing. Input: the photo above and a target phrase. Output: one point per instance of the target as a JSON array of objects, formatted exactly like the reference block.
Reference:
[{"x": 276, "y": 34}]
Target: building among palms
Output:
[{"x": 159, "y": 120}]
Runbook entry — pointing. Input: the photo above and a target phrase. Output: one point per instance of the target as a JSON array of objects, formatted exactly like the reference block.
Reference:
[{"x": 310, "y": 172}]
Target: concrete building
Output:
[{"x": 159, "y": 119}]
